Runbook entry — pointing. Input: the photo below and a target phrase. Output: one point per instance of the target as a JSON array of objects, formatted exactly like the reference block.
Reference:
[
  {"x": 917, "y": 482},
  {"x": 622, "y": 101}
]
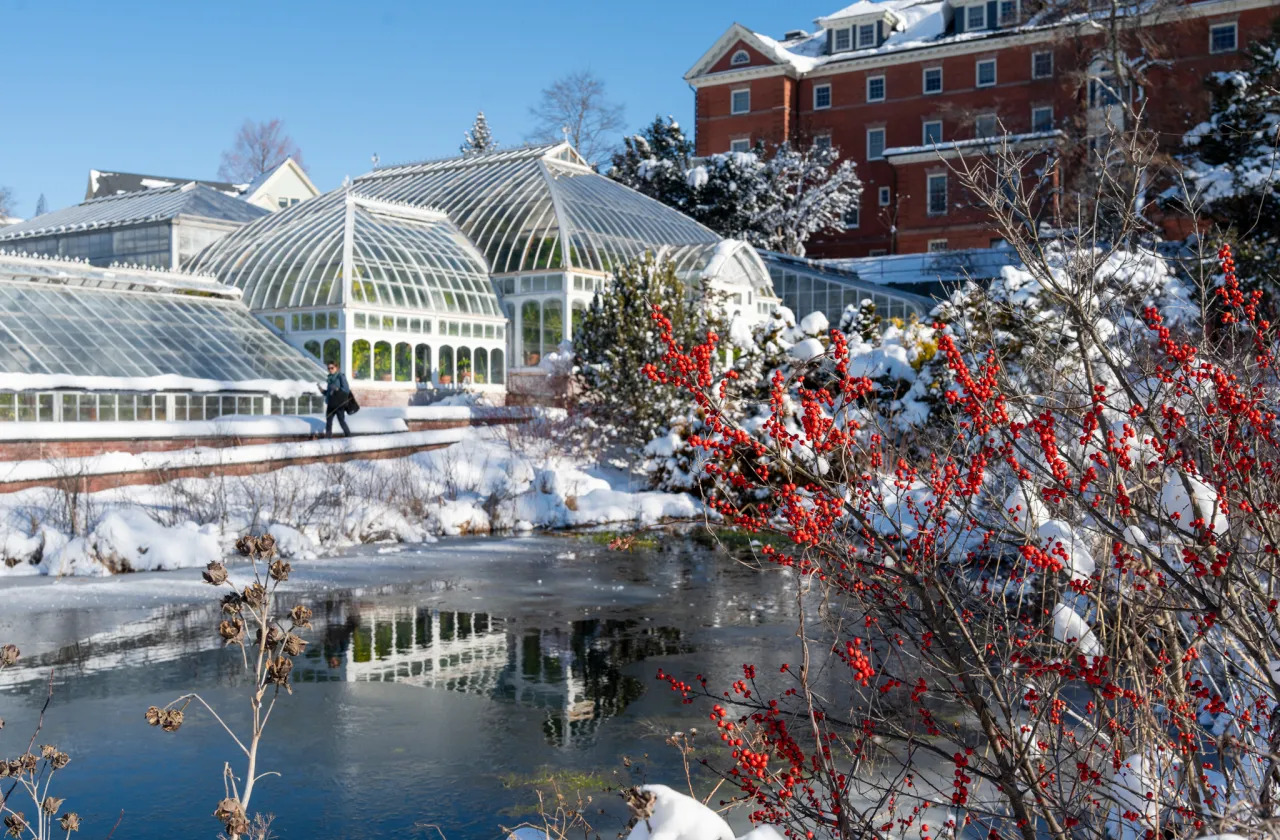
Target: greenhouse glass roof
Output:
[
  {"x": 539, "y": 208},
  {"x": 401, "y": 256},
  {"x": 160, "y": 204},
  {"x": 68, "y": 324}
]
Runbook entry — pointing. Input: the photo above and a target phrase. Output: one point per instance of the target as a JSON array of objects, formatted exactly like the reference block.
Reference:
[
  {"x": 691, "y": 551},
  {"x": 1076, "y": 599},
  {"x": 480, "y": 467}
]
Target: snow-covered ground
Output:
[{"x": 486, "y": 482}]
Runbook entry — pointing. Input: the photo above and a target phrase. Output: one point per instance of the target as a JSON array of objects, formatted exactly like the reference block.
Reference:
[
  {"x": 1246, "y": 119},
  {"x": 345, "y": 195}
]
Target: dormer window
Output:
[
  {"x": 740, "y": 57},
  {"x": 975, "y": 17},
  {"x": 842, "y": 42},
  {"x": 867, "y": 36}
]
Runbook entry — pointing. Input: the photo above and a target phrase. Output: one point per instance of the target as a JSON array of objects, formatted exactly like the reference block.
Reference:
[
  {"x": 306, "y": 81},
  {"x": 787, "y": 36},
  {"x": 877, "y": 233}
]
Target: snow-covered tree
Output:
[
  {"x": 1233, "y": 159},
  {"x": 6, "y": 201},
  {"x": 617, "y": 339},
  {"x": 479, "y": 139},
  {"x": 775, "y": 199},
  {"x": 42, "y": 205}
]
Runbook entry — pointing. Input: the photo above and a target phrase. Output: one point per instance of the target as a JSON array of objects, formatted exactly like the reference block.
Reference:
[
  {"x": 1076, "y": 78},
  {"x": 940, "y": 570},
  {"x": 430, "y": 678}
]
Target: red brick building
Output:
[{"x": 906, "y": 88}]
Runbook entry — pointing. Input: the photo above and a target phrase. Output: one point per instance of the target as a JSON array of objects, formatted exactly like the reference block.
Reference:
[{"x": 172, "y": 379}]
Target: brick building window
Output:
[
  {"x": 741, "y": 103},
  {"x": 740, "y": 57},
  {"x": 842, "y": 42},
  {"x": 852, "y": 216},
  {"x": 933, "y": 80},
  {"x": 878, "y": 252},
  {"x": 932, "y": 132},
  {"x": 1041, "y": 65},
  {"x": 741, "y": 145},
  {"x": 937, "y": 195},
  {"x": 822, "y": 141},
  {"x": 1222, "y": 38},
  {"x": 986, "y": 72},
  {"x": 986, "y": 125},
  {"x": 975, "y": 17},
  {"x": 1008, "y": 12},
  {"x": 937, "y": 246},
  {"x": 867, "y": 36},
  {"x": 1042, "y": 118},
  {"x": 875, "y": 144},
  {"x": 875, "y": 88},
  {"x": 821, "y": 97},
  {"x": 885, "y": 197}
]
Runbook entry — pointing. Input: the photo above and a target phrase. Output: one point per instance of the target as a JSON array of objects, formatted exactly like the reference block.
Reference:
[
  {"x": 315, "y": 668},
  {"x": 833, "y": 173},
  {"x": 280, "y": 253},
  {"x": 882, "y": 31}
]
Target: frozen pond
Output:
[{"x": 438, "y": 681}]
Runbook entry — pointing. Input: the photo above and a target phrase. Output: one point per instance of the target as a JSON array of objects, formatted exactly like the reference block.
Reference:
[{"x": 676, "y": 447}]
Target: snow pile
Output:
[{"x": 678, "y": 817}]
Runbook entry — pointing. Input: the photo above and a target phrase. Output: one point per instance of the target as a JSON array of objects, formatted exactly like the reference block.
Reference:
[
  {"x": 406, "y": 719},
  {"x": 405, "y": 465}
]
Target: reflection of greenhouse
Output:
[
  {"x": 573, "y": 673},
  {"x": 399, "y": 274}
]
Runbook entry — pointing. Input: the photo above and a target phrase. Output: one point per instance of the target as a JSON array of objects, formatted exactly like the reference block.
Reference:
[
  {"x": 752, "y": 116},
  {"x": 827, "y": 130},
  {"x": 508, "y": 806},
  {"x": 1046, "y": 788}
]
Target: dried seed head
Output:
[
  {"x": 153, "y": 715},
  {"x": 9, "y": 655},
  {"x": 301, "y": 616},
  {"x": 280, "y": 570},
  {"x": 70, "y": 821},
  {"x": 229, "y": 809},
  {"x": 237, "y": 827},
  {"x": 294, "y": 645},
  {"x": 28, "y": 762},
  {"x": 232, "y": 631},
  {"x": 267, "y": 545},
  {"x": 232, "y": 604},
  {"x": 15, "y": 768},
  {"x": 170, "y": 720},
  {"x": 247, "y": 545},
  {"x": 254, "y": 595},
  {"x": 215, "y": 573},
  {"x": 16, "y": 824},
  {"x": 4, "y": 769},
  {"x": 51, "y": 805},
  {"x": 60, "y": 760},
  {"x": 48, "y": 751},
  {"x": 278, "y": 670},
  {"x": 274, "y": 636}
]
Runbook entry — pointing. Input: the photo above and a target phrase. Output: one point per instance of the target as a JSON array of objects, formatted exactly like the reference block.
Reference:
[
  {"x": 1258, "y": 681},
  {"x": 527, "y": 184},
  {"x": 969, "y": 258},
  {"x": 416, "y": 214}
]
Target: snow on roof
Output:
[
  {"x": 162, "y": 203},
  {"x": 859, "y": 9},
  {"x": 72, "y": 272},
  {"x": 948, "y": 266},
  {"x": 1002, "y": 140},
  {"x": 102, "y": 183}
]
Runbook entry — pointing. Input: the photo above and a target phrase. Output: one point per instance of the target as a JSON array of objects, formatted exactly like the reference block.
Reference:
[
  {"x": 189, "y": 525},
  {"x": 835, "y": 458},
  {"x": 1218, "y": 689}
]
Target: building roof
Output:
[
  {"x": 288, "y": 164},
  {"x": 904, "y": 270},
  {"x": 538, "y": 208},
  {"x": 861, "y": 8},
  {"x": 69, "y": 324},
  {"x": 402, "y": 257},
  {"x": 114, "y": 183},
  {"x": 162, "y": 203}
]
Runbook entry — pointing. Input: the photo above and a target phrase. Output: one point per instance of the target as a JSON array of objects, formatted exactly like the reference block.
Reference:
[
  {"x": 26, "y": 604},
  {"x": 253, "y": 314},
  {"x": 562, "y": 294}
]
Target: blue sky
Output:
[{"x": 160, "y": 88}]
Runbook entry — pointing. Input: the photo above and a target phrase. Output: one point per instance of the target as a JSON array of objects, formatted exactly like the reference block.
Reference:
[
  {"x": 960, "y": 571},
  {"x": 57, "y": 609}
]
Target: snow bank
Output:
[
  {"x": 130, "y": 541},
  {"x": 679, "y": 817}
]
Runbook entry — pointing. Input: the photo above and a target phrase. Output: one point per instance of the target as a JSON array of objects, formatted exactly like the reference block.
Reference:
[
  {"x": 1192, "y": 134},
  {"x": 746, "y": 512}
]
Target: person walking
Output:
[{"x": 337, "y": 393}]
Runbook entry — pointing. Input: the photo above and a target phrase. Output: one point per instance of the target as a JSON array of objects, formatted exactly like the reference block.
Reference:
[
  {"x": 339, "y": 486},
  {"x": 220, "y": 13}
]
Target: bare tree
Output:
[
  {"x": 258, "y": 147},
  {"x": 6, "y": 201},
  {"x": 577, "y": 108}
]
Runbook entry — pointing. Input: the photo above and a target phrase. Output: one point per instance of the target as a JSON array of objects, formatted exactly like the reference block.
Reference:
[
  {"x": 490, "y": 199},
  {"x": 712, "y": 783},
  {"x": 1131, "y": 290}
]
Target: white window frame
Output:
[
  {"x": 884, "y": 89},
  {"x": 871, "y": 131},
  {"x": 816, "y": 88},
  {"x": 822, "y": 141},
  {"x": 937, "y": 246},
  {"x": 885, "y": 196},
  {"x": 977, "y": 73},
  {"x": 878, "y": 252},
  {"x": 995, "y": 125},
  {"x": 924, "y": 81},
  {"x": 928, "y": 195},
  {"x": 1036, "y": 55},
  {"x": 745, "y": 143},
  {"x": 1037, "y": 108},
  {"x": 848, "y": 37},
  {"x": 857, "y": 218},
  {"x": 1235, "y": 37},
  {"x": 924, "y": 132},
  {"x": 1013, "y": 18},
  {"x": 968, "y": 17},
  {"x": 858, "y": 36},
  {"x": 733, "y": 101},
  {"x": 743, "y": 54}
]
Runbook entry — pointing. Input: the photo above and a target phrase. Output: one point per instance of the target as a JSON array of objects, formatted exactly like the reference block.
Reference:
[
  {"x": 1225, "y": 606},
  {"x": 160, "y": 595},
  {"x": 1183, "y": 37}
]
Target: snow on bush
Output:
[{"x": 676, "y": 816}]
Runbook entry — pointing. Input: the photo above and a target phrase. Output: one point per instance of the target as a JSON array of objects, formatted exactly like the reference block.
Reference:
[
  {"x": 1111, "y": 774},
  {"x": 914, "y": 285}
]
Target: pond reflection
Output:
[{"x": 574, "y": 673}]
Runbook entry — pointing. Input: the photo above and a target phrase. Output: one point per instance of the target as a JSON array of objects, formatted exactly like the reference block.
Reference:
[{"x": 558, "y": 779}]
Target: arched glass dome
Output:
[
  {"x": 397, "y": 256},
  {"x": 539, "y": 208}
]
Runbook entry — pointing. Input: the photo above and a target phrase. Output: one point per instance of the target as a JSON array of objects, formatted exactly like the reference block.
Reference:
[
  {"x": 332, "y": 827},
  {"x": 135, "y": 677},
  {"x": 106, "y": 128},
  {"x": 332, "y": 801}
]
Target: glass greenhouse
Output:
[
  {"x": 806, "y": 286},
  {"x": 552, "y": 230},
  {"x": 392, "y": 292},
  {"x": 79, "y": 342}
]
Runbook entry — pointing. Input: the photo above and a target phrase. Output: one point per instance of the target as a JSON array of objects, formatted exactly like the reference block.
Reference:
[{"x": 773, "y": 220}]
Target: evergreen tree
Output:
[
  {"x": 1232, "y": 160},
  {"x": 775, "y": 201},
  {"x": 42, "y": 206},
  {"x": 479, "y": 139},
  {"x": 617, "y": 338}
]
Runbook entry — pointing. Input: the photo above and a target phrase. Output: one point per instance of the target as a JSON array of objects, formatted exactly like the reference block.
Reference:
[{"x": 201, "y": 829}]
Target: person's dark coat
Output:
[{"x": 337, "y": 391}]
